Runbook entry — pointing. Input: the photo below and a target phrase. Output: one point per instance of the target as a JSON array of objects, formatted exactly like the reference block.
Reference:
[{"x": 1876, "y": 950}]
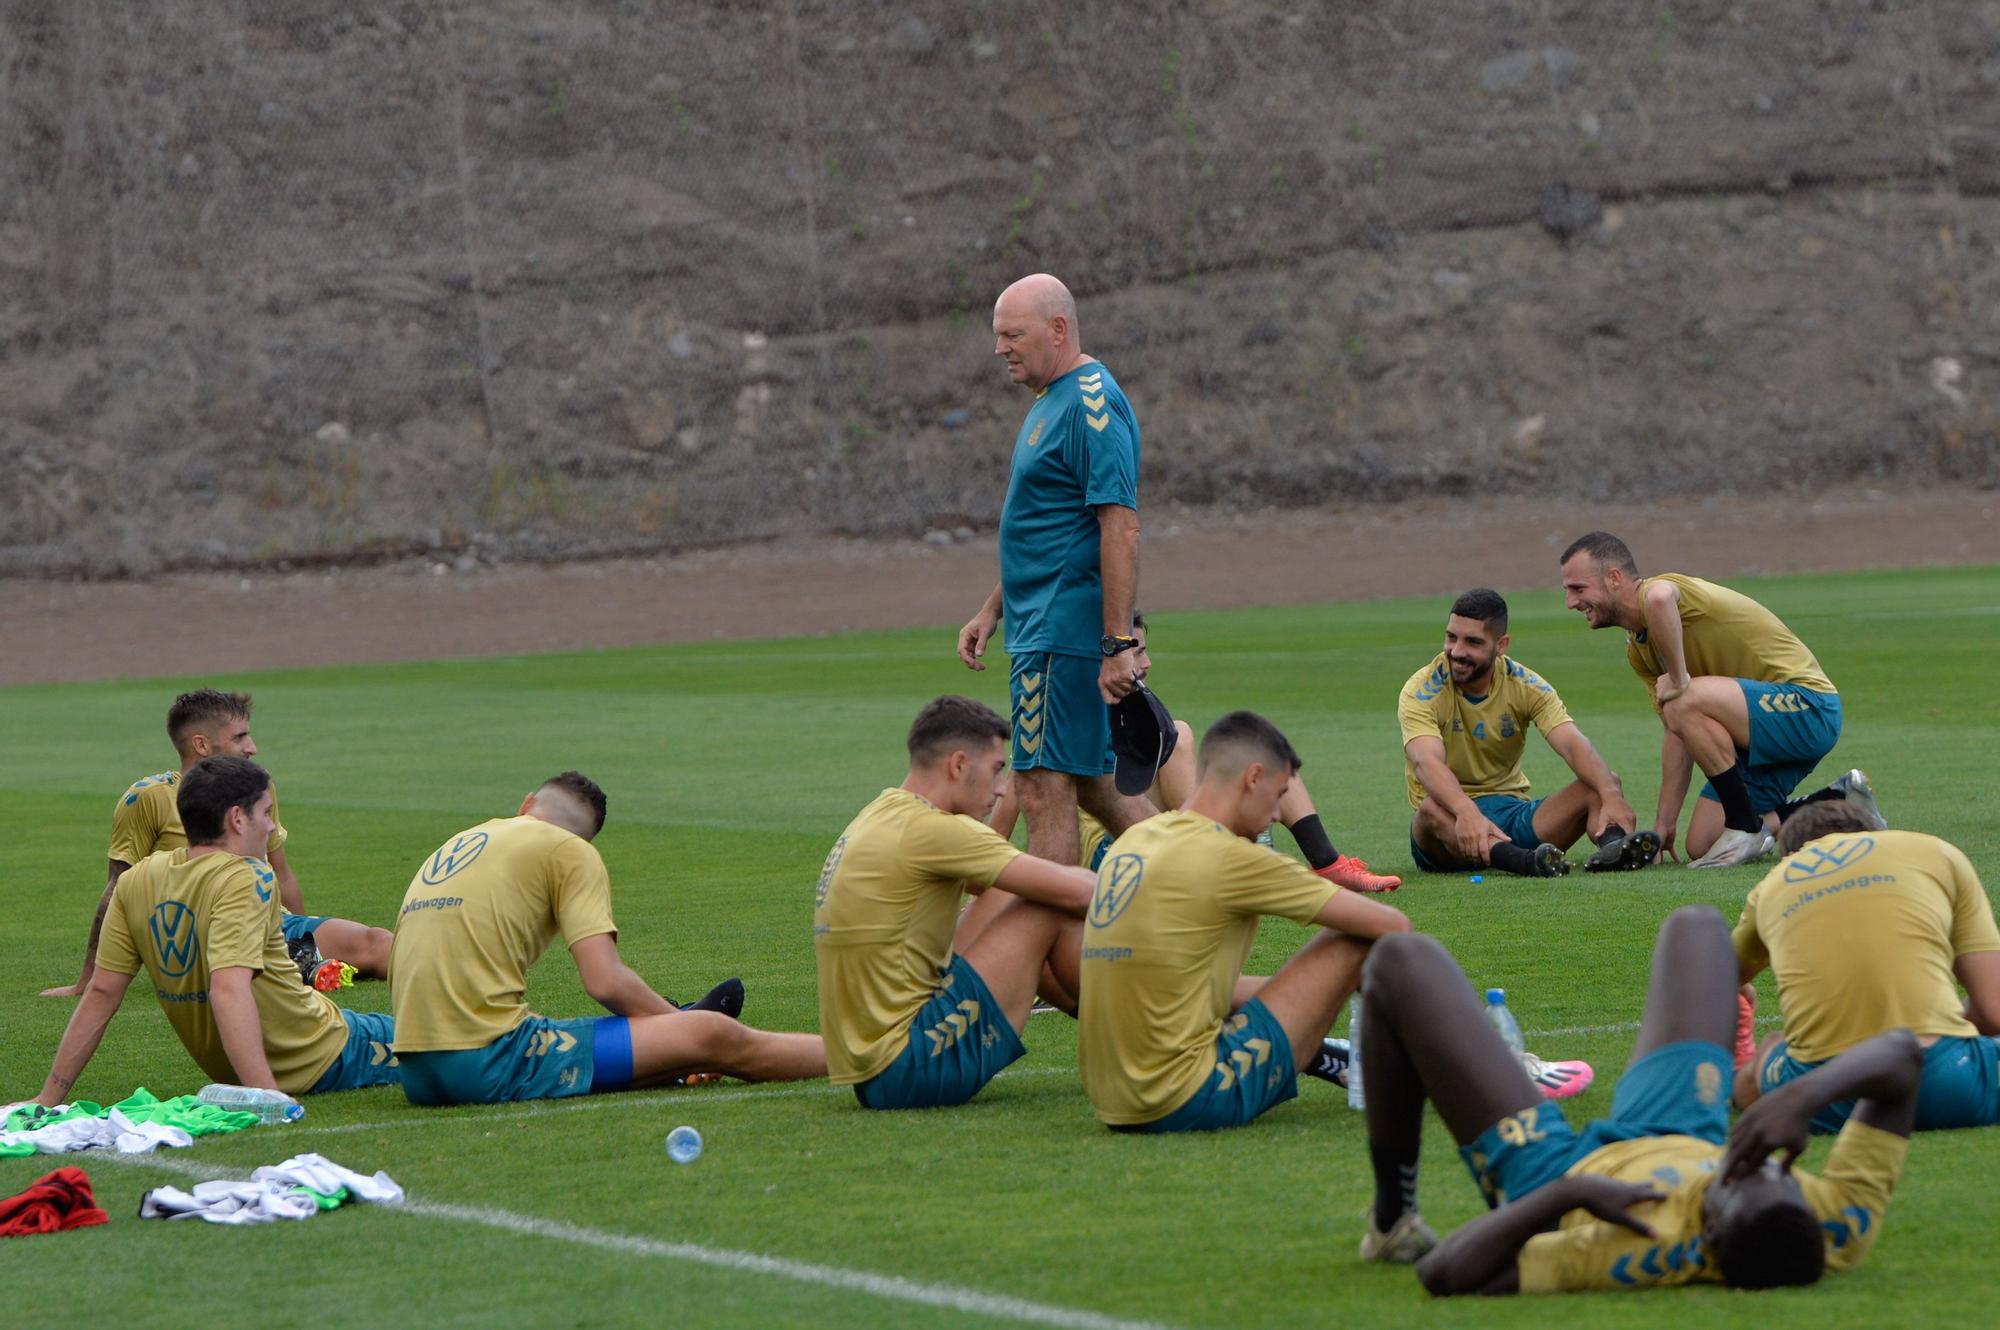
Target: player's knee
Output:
[
  {"x": 1392, "y": 959},
  {"x": 1694, "y": 921}
]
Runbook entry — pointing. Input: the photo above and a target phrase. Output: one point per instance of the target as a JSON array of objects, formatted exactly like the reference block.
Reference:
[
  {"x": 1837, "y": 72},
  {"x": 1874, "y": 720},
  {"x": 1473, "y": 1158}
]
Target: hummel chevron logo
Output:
[
  {"x": 1095, "y": 403},
  {"x": 1098, "y": 422}
]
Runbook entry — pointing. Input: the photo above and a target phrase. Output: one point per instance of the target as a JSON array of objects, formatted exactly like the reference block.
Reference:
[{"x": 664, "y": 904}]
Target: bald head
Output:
[{"x": 1034, "y": 330}]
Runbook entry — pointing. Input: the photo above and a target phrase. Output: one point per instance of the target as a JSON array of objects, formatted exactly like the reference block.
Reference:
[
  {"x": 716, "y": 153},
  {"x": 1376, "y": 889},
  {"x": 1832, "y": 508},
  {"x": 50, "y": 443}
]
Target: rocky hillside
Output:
[{"x": 284, "y": 280}]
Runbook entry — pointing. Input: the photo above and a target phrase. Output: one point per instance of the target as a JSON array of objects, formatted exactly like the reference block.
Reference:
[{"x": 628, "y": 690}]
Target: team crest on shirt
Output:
[
  {"x": 1507, "y": 730},
  {"x": 1117, "y": 884},
  {"x": 826, "y": 872},
  {"x": 1818, "y": 860},
  {"x": 1035, "y": 435},
  {"x": 174, "y": 939}
]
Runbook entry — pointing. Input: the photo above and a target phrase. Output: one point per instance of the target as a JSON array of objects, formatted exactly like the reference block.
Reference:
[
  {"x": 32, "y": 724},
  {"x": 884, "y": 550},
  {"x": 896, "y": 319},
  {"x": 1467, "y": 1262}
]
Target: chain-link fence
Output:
[{"x": 285, "y": 280}]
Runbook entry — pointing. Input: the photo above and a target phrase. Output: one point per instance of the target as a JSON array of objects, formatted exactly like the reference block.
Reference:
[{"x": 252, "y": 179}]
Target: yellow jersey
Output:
[
  {"x": 1095, "y": 837},
  {"x": 1727, "y": 634},
  {"x": 1850, "y": 1196},
  {"x": 182, "y": 920},
  {"x": 148, "y": 819},
  {"x": 480, "y": 911},
  {"x": 1860, "y": 930},
  {"x": 1178, "y": 900},
  {"x": 883, "y": 914},
  {"x": 1483, "y": 734}
]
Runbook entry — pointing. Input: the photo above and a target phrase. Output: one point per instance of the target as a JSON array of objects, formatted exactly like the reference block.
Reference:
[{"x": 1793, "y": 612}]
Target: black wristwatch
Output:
[{"x": 1111, "y": 645}]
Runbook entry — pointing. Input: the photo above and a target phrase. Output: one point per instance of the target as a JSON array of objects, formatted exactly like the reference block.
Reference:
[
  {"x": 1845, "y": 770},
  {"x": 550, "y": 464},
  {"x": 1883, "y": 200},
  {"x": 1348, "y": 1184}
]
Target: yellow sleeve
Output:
[
  {"x": 1548, "y": 710},
  {"x": 1750, "y": 948},
  {"x": 1971, "y": 912},
  {"x": 133, "y": 829},
  {"x": 1851, "y": 1194},
  {"x": 116, "y": 951},
  {"x": 278, "y": 833},
  {"x": 238, "y": 921},
  {"x": 581, "y": 895},
  {"x": 1259, "y": 880},
  {"x": 956, "y": 848},
  {"x": 1416, "y": 712}
]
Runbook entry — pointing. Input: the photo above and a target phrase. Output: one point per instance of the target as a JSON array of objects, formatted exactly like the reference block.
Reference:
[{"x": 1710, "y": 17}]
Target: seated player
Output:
[
  {"x": 1465, "y": 719},
  {"x": 1170, "y": 1037},
  {"x": 1659, "y": 1193},
  {"x": 1738, "y": 694},
  {"x": 1866, "y": 930},
  {"x": 202, "y": 921},
  {"x": 908, "y": 1023},
  {"x": 482, "y": 909},
  {"x": 202, "y": 724}
]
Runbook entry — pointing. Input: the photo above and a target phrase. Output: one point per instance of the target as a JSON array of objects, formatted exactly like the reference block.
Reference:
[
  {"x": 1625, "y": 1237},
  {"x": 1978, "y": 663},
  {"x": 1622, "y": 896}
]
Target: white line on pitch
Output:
[{"x": 891, "y": 1287}]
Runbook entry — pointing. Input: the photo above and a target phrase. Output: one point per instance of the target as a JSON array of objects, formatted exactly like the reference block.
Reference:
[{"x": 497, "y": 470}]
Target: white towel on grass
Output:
[{"x": 272, "y": 1193}]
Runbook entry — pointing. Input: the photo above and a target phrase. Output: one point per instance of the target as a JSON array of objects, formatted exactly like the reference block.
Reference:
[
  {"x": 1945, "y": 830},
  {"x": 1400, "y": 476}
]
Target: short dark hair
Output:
[
  {"x": 1825, "y": 817},
  {"x": 201, "y": 708},
  {"x": 1258, "y": 739},
  {"x": 951, "y": 722},
  {"x": 1486, "y": 605},
  {"x": 1138, "y": 620},
  {"x": 1607, "y": 549},
  {"x": 585, "y": 791},
  {"x": 1780, "y": 1245},
  {"x": 213, "y": 786}
]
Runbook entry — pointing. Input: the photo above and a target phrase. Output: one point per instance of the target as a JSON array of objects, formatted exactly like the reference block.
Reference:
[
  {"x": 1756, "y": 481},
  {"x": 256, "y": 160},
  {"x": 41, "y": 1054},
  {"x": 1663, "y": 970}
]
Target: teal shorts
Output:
[
  {"x": 1960, "y": 1086},
  {"x": 1791, "y": 729},
  {"x": 537, "y": 1059},
  {"x": 296, "y": 926},
  {"x": 366, "y": 1059},
  {"x": 1060, "y": 720},
  {"x": 1254, "y": 1073},
  {"x": 1509, "y": 812},
  {"x": 1679, "y": 1090},
  {"x": 959, "y": 1040}
]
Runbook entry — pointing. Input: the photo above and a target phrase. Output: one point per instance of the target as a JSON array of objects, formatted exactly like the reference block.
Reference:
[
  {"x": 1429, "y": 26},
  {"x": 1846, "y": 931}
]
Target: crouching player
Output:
[
  {"x": 1659, "y": 1193},
  {"x": 482, "y": 910},
  {"x": 203, "y": 922},
  {"x": 1170, "y": 1036}
]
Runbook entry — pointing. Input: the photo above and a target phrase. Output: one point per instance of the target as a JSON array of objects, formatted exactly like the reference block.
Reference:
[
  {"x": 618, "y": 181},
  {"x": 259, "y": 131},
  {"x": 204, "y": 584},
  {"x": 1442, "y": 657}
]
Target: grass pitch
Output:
[{"x": 730, "y": 770}]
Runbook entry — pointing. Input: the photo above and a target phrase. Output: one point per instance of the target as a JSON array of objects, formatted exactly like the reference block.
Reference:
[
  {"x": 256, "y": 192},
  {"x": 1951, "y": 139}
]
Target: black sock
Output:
[
  {"x": 1511, "y": 858},
  {"x": 1612, "y": 831},
  {"x": 1395, "y": 1185},
  {"x": 1313, "y": 843},
  {"x": 1737, "y": 814},
  {"x": 1786, "y": 809}
]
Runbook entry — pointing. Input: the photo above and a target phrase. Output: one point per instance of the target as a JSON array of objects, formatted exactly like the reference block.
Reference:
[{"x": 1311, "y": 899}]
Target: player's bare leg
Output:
[
  {"x": 1747, "y": 1089},
  {"x": 682, "y": 1042},
  {"x": 365, "y": 948},
  {"x": 1012, "y": 950},
  {"x": 1176, "y": 778},
  {"x": 1432, "y": 829},
  {"x": 1692, "y": 994},
  {"x": 1308, "y": 991},
  {"x": 1301, "y": 817},
  {"x": 1564, "y": 816},
  {"x": 1048, "y": 800},
  {"x": 1118, "y": 812}
]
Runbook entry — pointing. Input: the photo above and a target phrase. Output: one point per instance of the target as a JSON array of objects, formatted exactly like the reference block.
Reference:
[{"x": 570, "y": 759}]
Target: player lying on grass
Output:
[
  {"x": 202, "y": 921},
  {"x": 1737, "y": 693},
  {"x": 1866, "y": 930},
  {"x": 1171, "y": 1036},
  {"x": 483, "y": 908},
  {"x": 909, "y": 1023},
  {"x": 1661, "y": 1192},
  {"x": 207, "y": 723},
  {"x": 1465, "y": 719}
]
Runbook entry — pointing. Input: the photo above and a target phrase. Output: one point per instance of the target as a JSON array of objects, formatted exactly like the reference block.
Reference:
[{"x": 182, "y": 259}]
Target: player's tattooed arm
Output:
[{"x": 117, "y": 870}]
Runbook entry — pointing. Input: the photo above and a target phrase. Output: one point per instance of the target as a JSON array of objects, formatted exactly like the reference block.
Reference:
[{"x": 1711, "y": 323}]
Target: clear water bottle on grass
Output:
[
  {"x": 268, "y": 1105},
  {"x": 1503, "y": 1020}
]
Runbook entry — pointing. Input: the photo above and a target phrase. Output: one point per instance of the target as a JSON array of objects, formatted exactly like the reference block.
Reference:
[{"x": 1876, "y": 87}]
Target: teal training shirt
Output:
[{"x": 1078, "y": 449}]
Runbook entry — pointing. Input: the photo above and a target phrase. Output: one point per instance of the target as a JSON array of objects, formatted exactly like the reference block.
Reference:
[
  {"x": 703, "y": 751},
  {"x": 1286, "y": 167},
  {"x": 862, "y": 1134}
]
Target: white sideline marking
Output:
[{"x": 893, "y": 1287}]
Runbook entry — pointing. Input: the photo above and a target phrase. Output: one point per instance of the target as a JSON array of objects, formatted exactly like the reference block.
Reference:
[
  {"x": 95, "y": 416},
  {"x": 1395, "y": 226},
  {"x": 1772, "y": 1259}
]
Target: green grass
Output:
[{"x": 731, "y": 768}]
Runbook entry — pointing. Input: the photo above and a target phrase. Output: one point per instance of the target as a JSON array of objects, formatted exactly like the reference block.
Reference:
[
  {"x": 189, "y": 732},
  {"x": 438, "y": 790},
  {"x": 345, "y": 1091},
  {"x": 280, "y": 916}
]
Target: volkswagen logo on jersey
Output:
[
  {"x": 174, "y": 940},
  {"x": 454, "y": 857},
  {"x": 1117, "y": 884},
  {"x": 1817, "y": 861}
]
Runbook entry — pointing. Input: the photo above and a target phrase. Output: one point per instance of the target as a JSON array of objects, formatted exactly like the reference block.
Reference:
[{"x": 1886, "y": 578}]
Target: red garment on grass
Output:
[{"x": 59, "y": 1200}]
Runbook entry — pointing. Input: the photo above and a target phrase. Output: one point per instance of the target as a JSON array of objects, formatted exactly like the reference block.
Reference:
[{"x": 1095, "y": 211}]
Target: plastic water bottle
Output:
[
  {"x": 1503, "y": 1020},
  {"x": 1355, "y": 1099},
  {"x": 269, "y": 1105},
  {"x": 683, "y": 1145}
]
